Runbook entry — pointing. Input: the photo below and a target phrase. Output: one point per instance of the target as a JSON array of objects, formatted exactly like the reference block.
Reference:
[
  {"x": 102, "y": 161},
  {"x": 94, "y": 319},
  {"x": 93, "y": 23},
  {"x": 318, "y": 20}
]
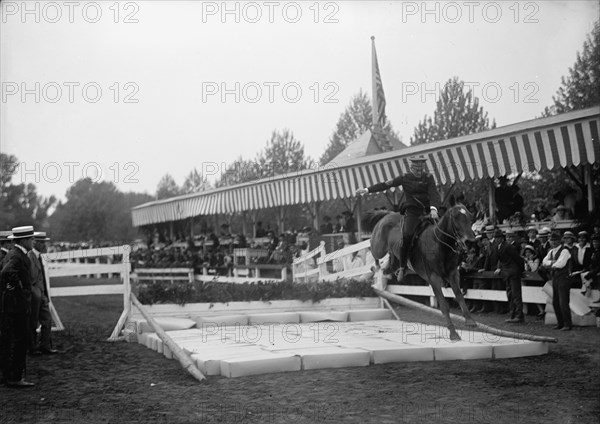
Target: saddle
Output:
[{"x": 424, "y": 222}]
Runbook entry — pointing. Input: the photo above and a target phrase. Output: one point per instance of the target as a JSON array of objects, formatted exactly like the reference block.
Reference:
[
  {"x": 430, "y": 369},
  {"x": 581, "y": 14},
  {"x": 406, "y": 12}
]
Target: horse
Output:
[{"x": 434, "y": 254}]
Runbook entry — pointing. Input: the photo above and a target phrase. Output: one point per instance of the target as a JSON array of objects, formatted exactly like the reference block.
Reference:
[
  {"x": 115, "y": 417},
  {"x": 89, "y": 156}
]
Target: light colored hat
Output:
[
  {"x": 545, "y": 231},
  {"x": 418, "y": 159},
  {"x": 4, "y": 235},
  {"x": 40, "y": 236},
  {"x": 569, "y": 234},
  {"x": 532, "y": 229},
  {"x": 21, "y": 232},
  {"x": 529, "y": 247}
]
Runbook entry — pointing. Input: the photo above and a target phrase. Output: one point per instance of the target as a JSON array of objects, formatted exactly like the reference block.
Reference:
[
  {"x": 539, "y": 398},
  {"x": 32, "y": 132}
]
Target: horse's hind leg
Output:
[
  {"x": 435, "y": 281},
  {"x": 454, "y": 281}
]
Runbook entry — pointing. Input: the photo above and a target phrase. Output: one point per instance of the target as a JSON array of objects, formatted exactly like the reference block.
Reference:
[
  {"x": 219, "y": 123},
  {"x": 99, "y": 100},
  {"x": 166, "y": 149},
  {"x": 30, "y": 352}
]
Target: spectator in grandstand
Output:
[
  {"x": 569, "y": 239},
  {"x": 326, "y": 227},
  {"x": 508, "y": 199},
  {"x": 340, "y": 227},
  {"x": 468, "y": 267},
  {"x": 556, "y": 262},
  {"x": 541, "y": 214},
  {"x": 543, "y": 237},
  {"x": 350, "y": 222},
  {"x": 260, "y": 231},
  {"x": 581, "y": 260},
  {"x": 532, "y": 238},
  {"x": 561, "y": 213}
]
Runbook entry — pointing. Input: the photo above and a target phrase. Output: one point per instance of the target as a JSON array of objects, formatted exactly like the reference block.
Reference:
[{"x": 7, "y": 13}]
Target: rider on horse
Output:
[{"x": 421, "y": 198}]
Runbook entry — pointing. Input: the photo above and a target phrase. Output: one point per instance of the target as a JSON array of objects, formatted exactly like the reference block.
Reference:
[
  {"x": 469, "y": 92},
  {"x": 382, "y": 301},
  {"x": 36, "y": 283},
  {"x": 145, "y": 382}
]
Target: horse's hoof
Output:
[
  {"x": 470, "y": 323},
  {"x": 454, "y": 336}
]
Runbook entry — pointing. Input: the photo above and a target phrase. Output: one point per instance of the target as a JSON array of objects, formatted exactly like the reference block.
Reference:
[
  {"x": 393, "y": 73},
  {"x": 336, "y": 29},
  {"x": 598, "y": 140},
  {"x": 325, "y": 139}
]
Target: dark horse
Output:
[{"x": 434, "y": 255}]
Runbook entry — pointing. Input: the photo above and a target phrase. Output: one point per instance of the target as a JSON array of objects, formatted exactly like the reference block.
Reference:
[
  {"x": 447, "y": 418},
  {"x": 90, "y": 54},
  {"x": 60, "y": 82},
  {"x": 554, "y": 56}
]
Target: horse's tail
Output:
[{"x": 371, "y": 219}]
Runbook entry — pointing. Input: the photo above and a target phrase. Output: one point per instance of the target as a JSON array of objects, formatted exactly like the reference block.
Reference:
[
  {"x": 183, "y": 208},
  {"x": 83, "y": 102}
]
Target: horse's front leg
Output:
[
  {"x": 454, "y": 281},
  {"x": 435, "y": 281}
]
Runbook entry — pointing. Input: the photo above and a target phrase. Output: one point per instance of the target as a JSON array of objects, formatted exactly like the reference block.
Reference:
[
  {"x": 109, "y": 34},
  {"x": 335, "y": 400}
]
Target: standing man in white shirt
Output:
[{"x": 556, "y": 261}]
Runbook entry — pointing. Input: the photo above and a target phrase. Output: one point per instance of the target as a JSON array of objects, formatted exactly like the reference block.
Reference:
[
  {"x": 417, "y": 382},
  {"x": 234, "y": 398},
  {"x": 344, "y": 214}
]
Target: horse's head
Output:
[{"x": 461, "y": 221}]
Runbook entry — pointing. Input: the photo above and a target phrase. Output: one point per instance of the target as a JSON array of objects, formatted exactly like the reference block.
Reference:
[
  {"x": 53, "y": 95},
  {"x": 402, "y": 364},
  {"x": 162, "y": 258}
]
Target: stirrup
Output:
[{"x": 399, "y": 273}]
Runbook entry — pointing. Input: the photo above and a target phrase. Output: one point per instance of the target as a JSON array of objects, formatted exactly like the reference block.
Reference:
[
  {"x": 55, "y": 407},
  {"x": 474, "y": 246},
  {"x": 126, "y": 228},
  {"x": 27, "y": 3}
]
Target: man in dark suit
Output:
[
  {"x": 15, "y": 307},
  {"x": 510, "y": 268},
  {"x": 421, "y": 198},
  {"x": 5, "y": 243},
  {"x": 557, "y": 262},
  {"x": 40, "y": 308}
]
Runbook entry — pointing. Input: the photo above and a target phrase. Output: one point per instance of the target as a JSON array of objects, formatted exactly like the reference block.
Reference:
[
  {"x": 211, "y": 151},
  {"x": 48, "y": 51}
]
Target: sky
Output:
[{"x": 130, "y": 91}]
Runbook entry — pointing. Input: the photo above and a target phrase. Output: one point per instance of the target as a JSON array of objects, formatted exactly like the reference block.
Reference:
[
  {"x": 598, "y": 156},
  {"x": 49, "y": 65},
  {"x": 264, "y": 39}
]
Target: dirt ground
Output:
[{"x": 95, "y": 381}]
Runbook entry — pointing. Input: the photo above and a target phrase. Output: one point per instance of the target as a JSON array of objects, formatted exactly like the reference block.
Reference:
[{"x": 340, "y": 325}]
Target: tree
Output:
[
  {"x": 240, "y": 171},
  {"x": 353, "y": 122},
  {"x": 457, "y": 113},
  {"x": 194, "y": 183},
  {"x": 167, "y": 187},
  {"x": 97, "y": 212},
  {"x": 283, "y": 154},
  {"x": 20, "y": 203},
  {"x": 579, "y": 89}
]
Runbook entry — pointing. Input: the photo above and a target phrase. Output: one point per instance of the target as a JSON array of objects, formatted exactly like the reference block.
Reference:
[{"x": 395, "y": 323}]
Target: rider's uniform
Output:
[{"x": 420, "y": 196}]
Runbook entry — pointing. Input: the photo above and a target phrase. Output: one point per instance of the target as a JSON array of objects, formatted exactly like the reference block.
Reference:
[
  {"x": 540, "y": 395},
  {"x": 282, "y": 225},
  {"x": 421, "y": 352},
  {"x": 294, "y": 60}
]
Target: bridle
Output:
[{"x": 454, "y": 236}]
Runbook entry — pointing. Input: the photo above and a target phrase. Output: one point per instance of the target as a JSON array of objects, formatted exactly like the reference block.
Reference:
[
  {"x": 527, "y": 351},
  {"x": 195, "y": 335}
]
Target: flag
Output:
[{"x": 378, "y": 96}]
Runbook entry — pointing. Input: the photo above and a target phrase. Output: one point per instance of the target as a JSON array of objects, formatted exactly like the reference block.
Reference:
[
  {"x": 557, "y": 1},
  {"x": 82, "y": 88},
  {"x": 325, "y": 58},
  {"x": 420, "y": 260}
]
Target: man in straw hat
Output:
[
  {"x": 40, "y": 309},
  {"x": 15, "y": 307},
  {"x": 556, "y": 261},
  {"x": 421, "y": 198}
]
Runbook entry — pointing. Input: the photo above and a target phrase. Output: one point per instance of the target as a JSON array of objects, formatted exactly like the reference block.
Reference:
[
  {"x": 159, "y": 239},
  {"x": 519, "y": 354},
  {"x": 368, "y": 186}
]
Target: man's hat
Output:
[
  {"x": 489, "y": 228},
  {"x": 21, "y": 232},
  {"x": 4, "y": 235},
  {"x": 555, "y": 236},
  {"x": 40, "y": 236},
  {"x": 532, "y": 229},
  {"x": 583, "y": 234},
  {"x": 568, "y": 234},
  {"x": 418, "y": 159},
  {"x": 545, "y": 231},
  {"x": 498, "y": 233},
  {"x": 529, "y": 247}
]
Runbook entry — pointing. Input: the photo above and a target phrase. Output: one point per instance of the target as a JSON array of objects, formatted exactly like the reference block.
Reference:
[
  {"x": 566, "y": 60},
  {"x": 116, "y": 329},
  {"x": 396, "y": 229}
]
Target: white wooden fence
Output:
[{"x": 57, "y": 267}]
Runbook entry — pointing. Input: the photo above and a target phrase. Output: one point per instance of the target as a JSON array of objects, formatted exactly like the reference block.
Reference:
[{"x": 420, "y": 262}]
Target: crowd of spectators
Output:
[{"x": 582, "y": 269}]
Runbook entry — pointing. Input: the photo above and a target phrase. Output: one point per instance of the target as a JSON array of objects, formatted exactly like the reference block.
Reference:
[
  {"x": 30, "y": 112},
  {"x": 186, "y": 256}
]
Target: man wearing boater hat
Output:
[
  {"x": 421, "y": 198},
  {"x": 40, "y": 309},
  {"x": 15, "y": 307}
]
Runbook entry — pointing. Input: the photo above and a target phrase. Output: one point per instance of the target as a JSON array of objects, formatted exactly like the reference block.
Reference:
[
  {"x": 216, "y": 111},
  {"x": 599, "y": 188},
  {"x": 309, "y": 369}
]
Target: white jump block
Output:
[
  {"x": 369, "y": 314},
  {"x": 263, "y": 363},
  {"x": 274, "y": 318},
  {"x": 220, "y": 320},
  {"x": 332, "y": 357},
  {"x": 517, "y": 350},
  {"x": 209, "y": 361},
  {"x": 166, "y": 323},
  {"x": 462, "y": 351},
  {"x": 384, "y": 351},
  {"x": 319, "y": 316},
  {"x": 587, "y": 320}
]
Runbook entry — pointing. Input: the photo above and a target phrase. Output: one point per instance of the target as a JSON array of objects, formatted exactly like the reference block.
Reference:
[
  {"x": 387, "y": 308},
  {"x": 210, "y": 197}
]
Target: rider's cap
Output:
[{"x": 418, "y": 159}]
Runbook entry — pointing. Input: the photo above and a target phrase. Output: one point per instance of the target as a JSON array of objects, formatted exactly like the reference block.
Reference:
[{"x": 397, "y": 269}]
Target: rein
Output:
[{"x": 452, "y": 236}]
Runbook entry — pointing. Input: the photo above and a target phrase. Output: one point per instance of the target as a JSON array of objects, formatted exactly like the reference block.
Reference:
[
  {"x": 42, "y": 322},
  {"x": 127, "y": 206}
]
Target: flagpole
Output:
[{"x": 374, "y": 82}]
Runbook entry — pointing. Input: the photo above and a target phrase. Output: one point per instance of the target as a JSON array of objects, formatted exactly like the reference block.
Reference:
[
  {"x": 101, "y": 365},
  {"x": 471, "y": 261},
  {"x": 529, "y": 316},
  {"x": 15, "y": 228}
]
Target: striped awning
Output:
[{"x": 569, "y": 139}]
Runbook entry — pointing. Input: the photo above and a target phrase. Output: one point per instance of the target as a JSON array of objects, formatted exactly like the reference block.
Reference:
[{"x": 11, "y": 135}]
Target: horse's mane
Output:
[{"x": 371, "y": 219}]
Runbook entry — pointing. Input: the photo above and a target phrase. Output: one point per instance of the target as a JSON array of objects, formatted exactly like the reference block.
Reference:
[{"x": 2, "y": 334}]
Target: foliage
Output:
[
  {"x": 194, "y": 183},
  {"x": 20, "y": 203},
  {"x": 457, "y": 113},
  {"x": 579, "y": 89},
  {"x": 96, "y": 212},
  {"x": 213, "y": 292},
  {"x": 240, "y": 171},
  {"x": 353, "y": 122},
  {"x": 167, "y": 187}
]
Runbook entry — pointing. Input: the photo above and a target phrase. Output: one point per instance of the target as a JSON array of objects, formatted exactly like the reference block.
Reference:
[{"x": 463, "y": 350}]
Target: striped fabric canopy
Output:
[{"x": 569, "y": 139}]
